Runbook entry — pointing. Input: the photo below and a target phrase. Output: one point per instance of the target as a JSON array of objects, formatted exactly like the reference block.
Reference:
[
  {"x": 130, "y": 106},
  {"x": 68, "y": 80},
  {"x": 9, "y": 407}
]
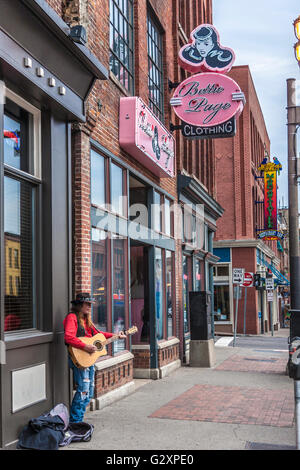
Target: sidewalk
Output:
[{"x": 245, "y": 402}]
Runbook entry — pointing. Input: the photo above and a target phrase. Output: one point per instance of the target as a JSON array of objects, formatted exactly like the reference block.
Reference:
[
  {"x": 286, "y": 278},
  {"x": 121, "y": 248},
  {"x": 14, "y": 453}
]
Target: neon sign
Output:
[
  {"x": 209, "y": 98},
  {"x": 270, "y": 171},
  {"x": 204, "y": 52}
]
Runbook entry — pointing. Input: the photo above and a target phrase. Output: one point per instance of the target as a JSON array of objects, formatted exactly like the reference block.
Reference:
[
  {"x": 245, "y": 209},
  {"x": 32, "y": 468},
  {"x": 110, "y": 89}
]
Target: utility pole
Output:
[{"x": 293, "y": 113}]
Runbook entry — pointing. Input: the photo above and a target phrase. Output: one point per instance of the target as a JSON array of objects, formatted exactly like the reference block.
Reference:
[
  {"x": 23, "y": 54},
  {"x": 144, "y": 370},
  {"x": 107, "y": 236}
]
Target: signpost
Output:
[
  {"x": 237, "y": 278},
  {"x": 270, "y": 298},
  {"x": 248, "y": 282}
]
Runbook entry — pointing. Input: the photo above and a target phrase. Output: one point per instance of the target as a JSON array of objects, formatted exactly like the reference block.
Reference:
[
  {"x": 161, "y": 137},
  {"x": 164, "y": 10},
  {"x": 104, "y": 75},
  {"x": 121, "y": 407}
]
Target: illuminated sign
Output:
[
  {"x": 209, "y": 98},
  {"x": 270, "y": 171},
  {"x": 270, "y": 206},
  {"x": 204, "y": 52},
  {"x": 144, "y": 137},
  {"x": 226, "y": 129}
]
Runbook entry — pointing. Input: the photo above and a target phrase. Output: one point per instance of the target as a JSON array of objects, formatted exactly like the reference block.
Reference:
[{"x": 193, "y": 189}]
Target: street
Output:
[{"x": 272, "y": 343}]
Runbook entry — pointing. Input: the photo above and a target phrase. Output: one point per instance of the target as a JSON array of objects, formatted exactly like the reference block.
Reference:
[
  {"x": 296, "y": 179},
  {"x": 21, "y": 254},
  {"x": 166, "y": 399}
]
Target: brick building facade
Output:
[{"x": 241, "y": 190}]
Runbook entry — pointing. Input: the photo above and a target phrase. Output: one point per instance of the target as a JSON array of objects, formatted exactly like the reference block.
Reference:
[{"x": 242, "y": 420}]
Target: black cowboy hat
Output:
[{"x": 83, "y": 297}]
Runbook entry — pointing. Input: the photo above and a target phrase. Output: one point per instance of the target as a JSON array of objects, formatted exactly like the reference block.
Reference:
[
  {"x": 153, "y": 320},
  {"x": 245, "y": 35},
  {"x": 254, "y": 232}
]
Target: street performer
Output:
[{"x": 78, "y": 323}]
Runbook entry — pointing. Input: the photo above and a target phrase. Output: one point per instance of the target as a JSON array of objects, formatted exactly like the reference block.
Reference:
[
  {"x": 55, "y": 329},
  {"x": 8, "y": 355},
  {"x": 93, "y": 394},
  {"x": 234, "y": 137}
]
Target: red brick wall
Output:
[
  {"x": 113, "y": 377},
  {"x": 246, "y": 258},
  {"x": 235, "y": 171},
  {"x": 194, "y": 157},
  {"x": 103, "y": 126},
  {"x": 57, "y": 6}
]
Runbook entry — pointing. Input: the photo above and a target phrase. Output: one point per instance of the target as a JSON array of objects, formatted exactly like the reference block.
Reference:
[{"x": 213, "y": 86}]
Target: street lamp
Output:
[{"x": 297, "y": 34}]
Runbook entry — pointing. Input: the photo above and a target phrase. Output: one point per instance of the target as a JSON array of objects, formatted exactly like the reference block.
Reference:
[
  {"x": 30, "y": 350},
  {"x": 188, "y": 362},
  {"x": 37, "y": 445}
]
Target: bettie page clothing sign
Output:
[{"x": 208, "y": 98}]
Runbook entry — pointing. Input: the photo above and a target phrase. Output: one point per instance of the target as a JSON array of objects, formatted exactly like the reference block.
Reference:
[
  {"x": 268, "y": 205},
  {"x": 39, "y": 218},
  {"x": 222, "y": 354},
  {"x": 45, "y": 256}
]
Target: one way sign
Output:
[{"x": 238, "y": 275}]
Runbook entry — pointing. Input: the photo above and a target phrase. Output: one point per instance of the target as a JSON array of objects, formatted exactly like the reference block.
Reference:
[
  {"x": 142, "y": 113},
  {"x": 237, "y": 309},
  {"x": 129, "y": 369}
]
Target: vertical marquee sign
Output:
[
  {"x": 270, "y": 171},
  {"x": 208, "y": 103}
]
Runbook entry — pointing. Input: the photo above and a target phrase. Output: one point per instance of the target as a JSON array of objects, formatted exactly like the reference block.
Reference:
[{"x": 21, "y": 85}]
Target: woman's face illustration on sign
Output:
[
  {"x": 204, "y": 47},
  {"x": 204, "y": 53}
]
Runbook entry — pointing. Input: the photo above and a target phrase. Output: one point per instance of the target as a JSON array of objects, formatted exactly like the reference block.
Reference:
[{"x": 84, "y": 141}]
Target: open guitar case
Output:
[{"x": 53, "y": 430}]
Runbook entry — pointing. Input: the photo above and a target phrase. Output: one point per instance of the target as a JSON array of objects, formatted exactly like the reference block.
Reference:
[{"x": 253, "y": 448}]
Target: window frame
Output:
[
  {"x": 33, "y": 178},
  {"x": 113, "y": 28},
  {"x": 111, "y": 235},
  {"x": 157, "y": 108}
]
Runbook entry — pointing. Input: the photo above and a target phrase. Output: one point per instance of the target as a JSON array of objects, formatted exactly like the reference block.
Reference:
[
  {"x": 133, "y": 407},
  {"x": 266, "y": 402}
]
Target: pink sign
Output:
[
  {"x": 144, "y": 137},
  {"x": 207, "y": 99},
  {"x": 204, "y": 53}
]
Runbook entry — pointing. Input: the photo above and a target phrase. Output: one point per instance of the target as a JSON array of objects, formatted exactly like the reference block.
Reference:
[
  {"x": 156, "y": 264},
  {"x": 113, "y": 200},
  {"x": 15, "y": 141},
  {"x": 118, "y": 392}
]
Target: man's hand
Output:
[
  {"x": 122, "y": 335},
  {"x": 90, "y": 348}
]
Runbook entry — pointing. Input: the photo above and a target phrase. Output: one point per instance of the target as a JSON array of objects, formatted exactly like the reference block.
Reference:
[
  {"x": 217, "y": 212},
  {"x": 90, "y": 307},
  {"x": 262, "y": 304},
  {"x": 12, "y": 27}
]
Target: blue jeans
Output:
[{"x": 84, "y": 380}]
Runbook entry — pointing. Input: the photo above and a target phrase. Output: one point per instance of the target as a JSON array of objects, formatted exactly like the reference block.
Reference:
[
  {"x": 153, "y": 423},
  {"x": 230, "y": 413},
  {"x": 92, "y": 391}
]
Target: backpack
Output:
[{"x": 77, "y": 432}]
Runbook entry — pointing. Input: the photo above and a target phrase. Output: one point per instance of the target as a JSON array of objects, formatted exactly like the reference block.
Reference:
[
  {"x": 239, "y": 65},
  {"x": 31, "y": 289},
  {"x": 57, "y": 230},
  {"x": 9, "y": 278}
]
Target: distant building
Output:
[{"x": 240, "y": 191}]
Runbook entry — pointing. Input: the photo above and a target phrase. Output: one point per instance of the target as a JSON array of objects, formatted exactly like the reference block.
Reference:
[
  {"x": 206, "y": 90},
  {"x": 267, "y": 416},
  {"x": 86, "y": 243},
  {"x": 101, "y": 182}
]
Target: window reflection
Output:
[
  {"x": 167, "y": 217},
  {"x": 97, "y": 179},
  {"x": 156, "y": 212},
  {"x": 19, "y": 208},
  {"x": 222, "y": 303},
  {"x": 197, "y": 275},
  {"x": 18, "y": 137},
  {"x": 99, "y": 277},
  {"x": 12, "y": 141},
  {"x": 169, "y": 279},
  {"x": 119, "y": 247},
  {"x": 159, "y": 293},
  {"x": 117, "y": 189},
  {"x": 185, "y": 293}
]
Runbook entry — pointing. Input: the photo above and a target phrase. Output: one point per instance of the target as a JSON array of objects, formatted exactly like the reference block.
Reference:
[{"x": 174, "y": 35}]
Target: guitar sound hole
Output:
[{"x": 98, "y": 345}]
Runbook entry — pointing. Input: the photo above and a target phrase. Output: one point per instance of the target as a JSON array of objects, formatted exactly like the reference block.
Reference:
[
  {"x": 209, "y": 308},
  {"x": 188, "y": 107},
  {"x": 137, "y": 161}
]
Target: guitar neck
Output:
[
  {"x": 115, "y": 337},
  {"x": 111, "y": 339}
]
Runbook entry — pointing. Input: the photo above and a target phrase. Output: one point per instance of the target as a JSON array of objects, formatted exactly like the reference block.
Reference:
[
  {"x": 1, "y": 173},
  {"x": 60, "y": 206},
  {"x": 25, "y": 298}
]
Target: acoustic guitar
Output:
[{"x": 83, "y": 359}]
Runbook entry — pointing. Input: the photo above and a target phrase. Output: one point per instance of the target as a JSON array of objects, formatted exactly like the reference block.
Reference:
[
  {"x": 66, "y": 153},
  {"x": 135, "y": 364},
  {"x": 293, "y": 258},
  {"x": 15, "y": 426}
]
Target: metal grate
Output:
[{"x": 263, "y": 446}]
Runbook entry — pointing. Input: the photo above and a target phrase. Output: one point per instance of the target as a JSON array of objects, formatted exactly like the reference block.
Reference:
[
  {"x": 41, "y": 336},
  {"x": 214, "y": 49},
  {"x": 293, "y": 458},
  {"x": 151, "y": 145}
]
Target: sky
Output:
[{"x": 261, "y": 33}]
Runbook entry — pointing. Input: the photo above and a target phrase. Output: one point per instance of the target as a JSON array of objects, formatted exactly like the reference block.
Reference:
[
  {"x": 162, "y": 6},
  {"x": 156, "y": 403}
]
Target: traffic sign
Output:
[
  {"x": 270, "y": 295},
  {"x": 238, "y": 275},
  {"x": 269, "y": 283},
  {"x": 248, "y": 280},
  {"x": 237, "y": 293}
]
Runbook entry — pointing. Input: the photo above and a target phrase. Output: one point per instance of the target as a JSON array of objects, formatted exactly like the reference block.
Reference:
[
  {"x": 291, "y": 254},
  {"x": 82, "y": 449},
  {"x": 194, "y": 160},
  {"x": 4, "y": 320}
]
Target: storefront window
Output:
[
  {"x": 97, "y": 179},
  {"x": 167, "y": 217},
  {"x": 156, "y": 212},
  {"x": 118, "y": 289},
  {"x": 19, "y": 225},
  {"x": 117, "y": 189},
  {"x": 221, "y": 303},
  {"x": 18, "y": 137},
  {"x": 21, "y": 152},
  {"x": 185, "y": 293},
  {"x": 169, "y": 279},
  {"x": 99, "y": 278},
  {"x": 197, "y": 275},
  {"x": 159, "y": 292}
]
